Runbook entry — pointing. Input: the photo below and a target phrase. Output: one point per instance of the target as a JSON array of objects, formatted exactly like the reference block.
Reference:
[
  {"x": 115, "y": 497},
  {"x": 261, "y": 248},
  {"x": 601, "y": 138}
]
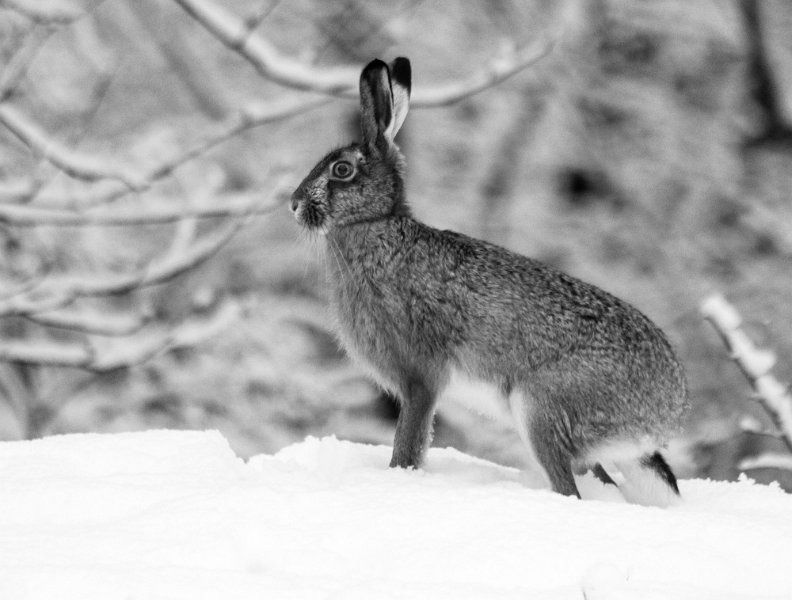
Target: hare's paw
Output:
[{"x": 414, "y": 426}]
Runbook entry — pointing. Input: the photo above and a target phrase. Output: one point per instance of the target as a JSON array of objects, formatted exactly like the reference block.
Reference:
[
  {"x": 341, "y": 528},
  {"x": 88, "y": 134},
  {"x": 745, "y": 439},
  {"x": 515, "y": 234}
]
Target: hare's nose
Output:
[{"x": 295, "y": 200}]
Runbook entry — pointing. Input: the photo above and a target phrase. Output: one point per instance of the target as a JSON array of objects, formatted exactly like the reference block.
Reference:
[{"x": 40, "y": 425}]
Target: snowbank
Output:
[{"x": 168, "y": 514}]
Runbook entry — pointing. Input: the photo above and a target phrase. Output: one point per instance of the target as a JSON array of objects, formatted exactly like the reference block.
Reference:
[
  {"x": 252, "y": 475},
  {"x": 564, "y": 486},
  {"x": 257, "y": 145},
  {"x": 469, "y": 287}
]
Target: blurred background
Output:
[{"x": 152, "y": 276}]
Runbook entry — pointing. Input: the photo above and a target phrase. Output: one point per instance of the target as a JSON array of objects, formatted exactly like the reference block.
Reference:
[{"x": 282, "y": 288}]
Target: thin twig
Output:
[
  {"x": 93, "y": 322},
  {"x": 234, "y": 33},
  {"x": 255, "y": 19},
  {"x": 70, "y": 161},
  {"x": 252, "y": 115},
  {"x": 248, "y": 117},
  {"x": 17, "y": 66},
  {"x": 497, "y": 70},
  {"x": 59, "y": 291},
  {"x": 60, "y": 11},
  {"x": 159, "y": 212},
  {"x": 18, "y": 190}
]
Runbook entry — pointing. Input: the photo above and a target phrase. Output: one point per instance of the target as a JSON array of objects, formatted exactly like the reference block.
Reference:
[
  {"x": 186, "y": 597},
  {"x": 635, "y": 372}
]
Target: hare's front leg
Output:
[{"x": 413, "y": 429}]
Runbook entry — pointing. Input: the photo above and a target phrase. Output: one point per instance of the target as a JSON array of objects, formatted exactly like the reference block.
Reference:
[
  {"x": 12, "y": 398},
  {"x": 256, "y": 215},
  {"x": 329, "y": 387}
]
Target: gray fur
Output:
[{"x": 414, "y": 302}]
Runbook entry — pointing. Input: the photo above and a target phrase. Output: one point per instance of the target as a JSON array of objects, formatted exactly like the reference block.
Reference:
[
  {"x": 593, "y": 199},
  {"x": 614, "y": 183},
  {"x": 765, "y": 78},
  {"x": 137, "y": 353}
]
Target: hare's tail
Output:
[{"x": 648, "y": 480}]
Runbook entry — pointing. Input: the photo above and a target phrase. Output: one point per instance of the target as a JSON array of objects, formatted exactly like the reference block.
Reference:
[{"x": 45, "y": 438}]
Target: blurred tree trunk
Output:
[
  {"x": 767, "y": 150},
  {"x": 501, "y": 185},
  {"x": 763, "y": 88}
]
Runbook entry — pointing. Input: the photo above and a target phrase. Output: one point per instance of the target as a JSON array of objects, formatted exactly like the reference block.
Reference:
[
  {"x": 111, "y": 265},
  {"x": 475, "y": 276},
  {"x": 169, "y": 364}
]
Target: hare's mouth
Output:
[{"x": 310, "y": 216}]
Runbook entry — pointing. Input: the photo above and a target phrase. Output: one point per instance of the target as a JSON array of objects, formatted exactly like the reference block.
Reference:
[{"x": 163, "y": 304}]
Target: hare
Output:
[{"x": 588, "y": 378}]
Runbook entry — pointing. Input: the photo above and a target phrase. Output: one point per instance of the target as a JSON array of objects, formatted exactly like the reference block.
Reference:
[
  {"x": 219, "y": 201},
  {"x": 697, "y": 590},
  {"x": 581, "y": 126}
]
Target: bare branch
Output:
[
  {"x": 755, "y": 363},
  {"x": 98, "y": 55},
  {"x": 45, "y": 353},
  {"x": 235, "y": 33},
  {"x": 100, "y": 356},
  {"x": 94, "y": 322},
  {"x": 60, "y": 291},
  {"x": 160, "y": 211},
  {"x": 754, "y": 427},
  {"x": 250, "y": 116},
  {"x": 26, "y": 285},
  {"x": 18, "y": 64},
  {"x": 71, "y": 162},
  {"x": 18, "y": 190},
  {"x": 767, "y": 461},
  {"x": 263, "y": 11},
  {"x": 497, "y": 70},
  {"x": 53, "y": 11}
]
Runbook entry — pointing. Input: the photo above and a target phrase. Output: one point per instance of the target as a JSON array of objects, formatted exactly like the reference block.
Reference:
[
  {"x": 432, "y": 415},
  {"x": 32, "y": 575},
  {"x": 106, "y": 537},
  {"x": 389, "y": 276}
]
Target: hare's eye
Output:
[{"x": 342, "y": 170}]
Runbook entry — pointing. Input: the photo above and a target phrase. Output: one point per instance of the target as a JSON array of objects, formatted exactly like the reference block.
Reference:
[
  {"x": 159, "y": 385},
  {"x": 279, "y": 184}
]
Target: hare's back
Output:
[
  {"x": 517, "y": 302},
  {"x": 563, "y": 338}
]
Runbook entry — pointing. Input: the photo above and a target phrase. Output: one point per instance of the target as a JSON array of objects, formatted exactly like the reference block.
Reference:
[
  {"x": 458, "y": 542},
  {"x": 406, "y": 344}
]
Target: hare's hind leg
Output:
[
  {"x": 414, "y": 425},
  {"x": 600, "y": 473},
  {"x": 649, "y": 481},
  {"x": 556, "y": 462},
  {"x": 595, "y": 482},
  {"x": 544, "y": 449}
]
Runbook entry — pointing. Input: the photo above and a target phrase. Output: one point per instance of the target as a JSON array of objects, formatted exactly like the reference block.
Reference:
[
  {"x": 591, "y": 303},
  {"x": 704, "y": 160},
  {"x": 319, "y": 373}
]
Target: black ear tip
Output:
[
  {"x": 374, "y": 65},
  {"x": 401, "y": 72}
]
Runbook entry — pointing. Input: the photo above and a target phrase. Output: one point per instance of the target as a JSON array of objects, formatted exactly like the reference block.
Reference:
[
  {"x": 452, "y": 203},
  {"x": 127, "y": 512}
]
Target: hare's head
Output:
[{"x": 363, "y": 181}]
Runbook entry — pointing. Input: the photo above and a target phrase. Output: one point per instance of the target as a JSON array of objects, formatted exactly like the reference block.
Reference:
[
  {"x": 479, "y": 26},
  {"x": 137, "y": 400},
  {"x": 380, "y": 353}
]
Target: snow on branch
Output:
[
  {"x": 102, "y": 355},
  {"x": 235, "y": 33},
  {"x": 751, "y": 425},
  {"x": 770, "y": 460},
  {"x": 755, "y": 363}
]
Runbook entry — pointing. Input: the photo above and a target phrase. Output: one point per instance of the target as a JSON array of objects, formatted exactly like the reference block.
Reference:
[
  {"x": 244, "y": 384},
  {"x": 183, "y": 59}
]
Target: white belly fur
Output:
[
  {"x": 513, "y": 412},
  {"x": 479, "y": 396}
]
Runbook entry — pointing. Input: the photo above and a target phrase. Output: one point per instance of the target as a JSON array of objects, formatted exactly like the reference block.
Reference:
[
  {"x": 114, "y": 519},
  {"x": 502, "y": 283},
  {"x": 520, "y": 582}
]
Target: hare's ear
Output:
[
  {"x": 401, "y": 83},
  {"x": 376, "y": 104}
]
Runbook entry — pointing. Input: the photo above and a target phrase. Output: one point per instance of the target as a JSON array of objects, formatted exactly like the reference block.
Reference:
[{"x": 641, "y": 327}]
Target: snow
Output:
[{"x": 172, "y": 515}]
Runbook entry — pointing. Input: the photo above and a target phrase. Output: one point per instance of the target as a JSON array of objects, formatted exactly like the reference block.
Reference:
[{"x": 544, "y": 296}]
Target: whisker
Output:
[
  {"x": 335, "y": 255},
  {"x": 340, "y": 254}
]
